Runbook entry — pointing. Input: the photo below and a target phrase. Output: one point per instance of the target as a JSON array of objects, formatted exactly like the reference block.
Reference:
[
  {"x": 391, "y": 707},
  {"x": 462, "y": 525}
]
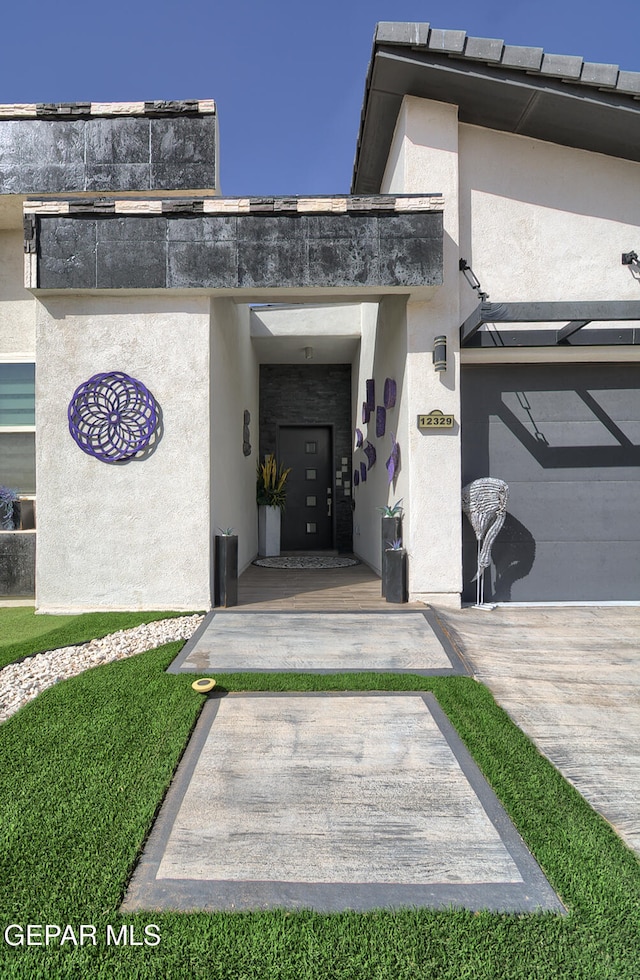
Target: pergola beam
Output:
[
  {"x": 572, "y": 327},
  {"x": 603, "y": 337},
  {"x": 574, "y": 315}
]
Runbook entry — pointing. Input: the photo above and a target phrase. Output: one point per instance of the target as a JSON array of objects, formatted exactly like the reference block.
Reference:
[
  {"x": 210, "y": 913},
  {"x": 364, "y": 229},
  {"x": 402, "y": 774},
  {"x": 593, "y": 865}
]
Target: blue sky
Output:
[{"x": 288, "y": 78}]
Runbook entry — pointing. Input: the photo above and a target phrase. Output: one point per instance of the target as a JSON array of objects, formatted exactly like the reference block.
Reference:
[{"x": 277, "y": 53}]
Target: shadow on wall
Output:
[{"x": 512, "y": 558}]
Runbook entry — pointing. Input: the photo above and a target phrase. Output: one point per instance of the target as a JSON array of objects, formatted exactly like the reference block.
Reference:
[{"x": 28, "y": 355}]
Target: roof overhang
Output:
[{"x": 517, "y": 90}]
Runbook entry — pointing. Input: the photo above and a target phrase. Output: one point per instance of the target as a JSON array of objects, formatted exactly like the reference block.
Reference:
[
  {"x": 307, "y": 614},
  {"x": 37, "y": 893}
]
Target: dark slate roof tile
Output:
[
  {"x": 604, "y": 76},
  {"x": 392, "y": 32},
  {"x": 493, "y": 51},
  {"x": 450, "y": 42},
  {"x": 629, "y": 82},
  {"x": 484, "y": 49},
  {"x": 561, "y": 65},
  {"x": 528, "y": 59}
]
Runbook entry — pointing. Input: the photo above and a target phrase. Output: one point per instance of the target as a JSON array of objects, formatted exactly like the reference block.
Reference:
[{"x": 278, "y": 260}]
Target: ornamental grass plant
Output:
[{"x": 271, "y": 483}]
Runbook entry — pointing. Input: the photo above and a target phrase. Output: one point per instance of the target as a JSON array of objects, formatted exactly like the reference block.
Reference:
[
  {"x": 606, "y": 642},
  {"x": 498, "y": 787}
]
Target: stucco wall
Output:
[
  {"x": 234, "y": 389},
  {"x": 132, "y": 536},
  {"x": 382, "y": 355},
  {"x": 546, "y": 222},
  {"x": 17, "y": 306},
  {"x": 424, "y": 158}
]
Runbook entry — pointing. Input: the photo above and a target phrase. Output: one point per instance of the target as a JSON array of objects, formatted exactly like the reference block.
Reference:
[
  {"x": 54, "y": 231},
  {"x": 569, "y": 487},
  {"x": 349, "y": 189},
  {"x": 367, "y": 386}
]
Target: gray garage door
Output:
[{"x": 566, "y": 438}]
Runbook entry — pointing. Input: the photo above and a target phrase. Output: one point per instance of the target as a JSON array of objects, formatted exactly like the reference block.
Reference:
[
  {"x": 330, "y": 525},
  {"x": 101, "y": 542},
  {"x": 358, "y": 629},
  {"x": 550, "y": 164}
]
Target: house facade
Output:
[{"x": 157, "y": 338}]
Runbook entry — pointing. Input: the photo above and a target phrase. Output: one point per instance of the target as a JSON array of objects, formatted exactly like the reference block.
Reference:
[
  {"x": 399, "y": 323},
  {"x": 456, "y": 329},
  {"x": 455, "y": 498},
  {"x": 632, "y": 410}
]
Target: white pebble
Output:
[{"x": 21, "y": 682}]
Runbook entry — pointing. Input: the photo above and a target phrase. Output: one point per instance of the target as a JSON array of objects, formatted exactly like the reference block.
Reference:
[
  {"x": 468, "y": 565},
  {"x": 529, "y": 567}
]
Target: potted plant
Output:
[
  {"x": 226, "y": 568},
  {"x": 391, "y": 531},
  {"x": 271, "y": 496},
  {"x": 396, "y": 586}
]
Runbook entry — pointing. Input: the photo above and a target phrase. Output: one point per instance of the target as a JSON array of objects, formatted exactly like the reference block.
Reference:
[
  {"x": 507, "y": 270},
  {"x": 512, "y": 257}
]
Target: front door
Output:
[{"x": 307, "y": 521}]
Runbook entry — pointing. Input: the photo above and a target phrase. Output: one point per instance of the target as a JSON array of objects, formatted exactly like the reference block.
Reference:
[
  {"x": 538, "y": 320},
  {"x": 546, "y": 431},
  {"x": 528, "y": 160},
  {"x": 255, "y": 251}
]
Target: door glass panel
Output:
[
  {"x": 311, "y": 447},
  {"x": 312, "y": 528},
  {"x": 312, "y": 501},
  {"x": 311, "y": 474}
]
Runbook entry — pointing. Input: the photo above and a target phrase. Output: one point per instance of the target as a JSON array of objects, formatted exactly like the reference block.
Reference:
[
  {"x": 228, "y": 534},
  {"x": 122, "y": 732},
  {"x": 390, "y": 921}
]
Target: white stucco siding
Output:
[
  {"x": 134, "y": 535},
  {"x": 546, "y": 222},
  {"x": 234, "y": 390},
  {"x": 382, "y": 355},
  {"x": 17, "y": 305},
  {"x": 424, "y": 158},
  {"x": 435, "y": 528}
]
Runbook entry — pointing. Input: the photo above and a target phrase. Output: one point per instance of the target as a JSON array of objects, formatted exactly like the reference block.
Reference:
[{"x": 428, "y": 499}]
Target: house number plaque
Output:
[{"x": 435, "y": 420}]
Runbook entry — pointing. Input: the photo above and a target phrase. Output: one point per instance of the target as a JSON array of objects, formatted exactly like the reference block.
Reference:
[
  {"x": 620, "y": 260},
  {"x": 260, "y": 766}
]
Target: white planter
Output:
[{"x": 268, "y": 531}]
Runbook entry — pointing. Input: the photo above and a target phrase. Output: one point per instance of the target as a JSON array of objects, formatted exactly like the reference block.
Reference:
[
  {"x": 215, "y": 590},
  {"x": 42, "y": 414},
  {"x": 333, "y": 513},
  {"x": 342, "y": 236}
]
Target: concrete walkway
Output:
[
  {"x": 366, "y": 800},
  {"x": 330, "y": 800},
  {"x": 570, "y": 678},
  {"x": 308, "y": 642}
]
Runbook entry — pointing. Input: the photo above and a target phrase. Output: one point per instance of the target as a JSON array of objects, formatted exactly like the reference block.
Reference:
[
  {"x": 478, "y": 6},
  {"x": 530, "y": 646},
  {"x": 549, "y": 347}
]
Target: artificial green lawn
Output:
[
  {"x": 23, "y": 633},
  {"x": 83, "y": 769}
]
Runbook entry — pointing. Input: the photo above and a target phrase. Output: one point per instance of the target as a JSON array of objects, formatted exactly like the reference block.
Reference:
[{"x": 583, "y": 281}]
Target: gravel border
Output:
[{"x": 22, "y": 682}]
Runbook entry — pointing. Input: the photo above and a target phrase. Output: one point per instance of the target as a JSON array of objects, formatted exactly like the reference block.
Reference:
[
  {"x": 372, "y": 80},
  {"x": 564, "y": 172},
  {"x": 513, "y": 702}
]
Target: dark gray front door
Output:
[{"x": 307, "y": 522}]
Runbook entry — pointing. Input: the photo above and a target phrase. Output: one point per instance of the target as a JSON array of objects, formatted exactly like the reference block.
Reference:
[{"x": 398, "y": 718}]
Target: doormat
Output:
[{"x": 305, "y": 561}]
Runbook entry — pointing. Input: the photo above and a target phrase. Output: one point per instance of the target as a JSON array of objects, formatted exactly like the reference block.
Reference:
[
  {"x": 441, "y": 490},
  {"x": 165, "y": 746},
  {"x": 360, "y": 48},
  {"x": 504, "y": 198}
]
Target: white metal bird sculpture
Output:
[{"x": 484, "y": 502}]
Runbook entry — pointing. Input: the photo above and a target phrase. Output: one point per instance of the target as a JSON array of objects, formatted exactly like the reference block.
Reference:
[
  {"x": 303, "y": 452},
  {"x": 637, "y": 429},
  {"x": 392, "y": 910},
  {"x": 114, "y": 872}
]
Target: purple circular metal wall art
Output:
[{"x": 112, "y": 416}]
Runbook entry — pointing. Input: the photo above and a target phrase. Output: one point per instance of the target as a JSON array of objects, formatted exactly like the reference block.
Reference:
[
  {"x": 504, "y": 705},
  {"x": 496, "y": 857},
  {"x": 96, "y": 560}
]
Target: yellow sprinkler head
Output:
[{"x": 204, "y": 685}]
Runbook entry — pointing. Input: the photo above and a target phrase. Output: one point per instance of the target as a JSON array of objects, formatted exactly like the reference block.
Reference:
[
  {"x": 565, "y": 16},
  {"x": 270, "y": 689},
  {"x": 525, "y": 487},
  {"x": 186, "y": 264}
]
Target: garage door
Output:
[{"x": 566, "y": 438}]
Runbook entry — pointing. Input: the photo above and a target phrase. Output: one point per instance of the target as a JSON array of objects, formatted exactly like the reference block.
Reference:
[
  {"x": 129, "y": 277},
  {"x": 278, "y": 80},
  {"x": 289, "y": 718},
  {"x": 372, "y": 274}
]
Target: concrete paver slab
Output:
[
  {"x": 319, "y": 643},
  {"x": 570, "y": 678},
  {"x": 332, "y": 801}
]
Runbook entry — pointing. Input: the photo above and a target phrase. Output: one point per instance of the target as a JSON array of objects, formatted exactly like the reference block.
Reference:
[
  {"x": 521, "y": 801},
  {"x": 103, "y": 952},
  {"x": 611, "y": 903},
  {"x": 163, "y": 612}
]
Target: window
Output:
[{"x": 18, "y": 426}]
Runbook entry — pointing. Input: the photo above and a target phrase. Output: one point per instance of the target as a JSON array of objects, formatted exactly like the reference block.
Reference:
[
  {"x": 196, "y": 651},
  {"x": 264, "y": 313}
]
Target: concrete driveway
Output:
[{"x": 569, "y": 676}]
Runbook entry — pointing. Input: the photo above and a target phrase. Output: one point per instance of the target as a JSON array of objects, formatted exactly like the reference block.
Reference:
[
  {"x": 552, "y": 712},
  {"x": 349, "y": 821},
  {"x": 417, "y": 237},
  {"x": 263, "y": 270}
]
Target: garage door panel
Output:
[
  {"x": 547, "y": 392},
  {"x": 582, "y": 571},
  {"x": 514, "y": 457},
  {"x": 571, "y": 457},
  {"x": 571, "y": 511}
]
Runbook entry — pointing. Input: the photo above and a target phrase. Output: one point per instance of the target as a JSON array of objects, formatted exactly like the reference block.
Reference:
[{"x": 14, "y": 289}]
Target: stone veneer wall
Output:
[
  {"x": 17, "y": 563},
  {"x": 108, "y": 147},
  {"x": 318, "y": 394},
  {"x": 231, "y": 243}
]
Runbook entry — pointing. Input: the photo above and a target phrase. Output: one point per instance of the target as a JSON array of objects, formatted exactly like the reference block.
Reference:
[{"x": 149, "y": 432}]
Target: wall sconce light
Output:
[
  {"x": 308, "y": 353},
  {"x": 440, "y": 354},
  {"x": 472, "y": 279},
  {"x": 630, "y": 258}
]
